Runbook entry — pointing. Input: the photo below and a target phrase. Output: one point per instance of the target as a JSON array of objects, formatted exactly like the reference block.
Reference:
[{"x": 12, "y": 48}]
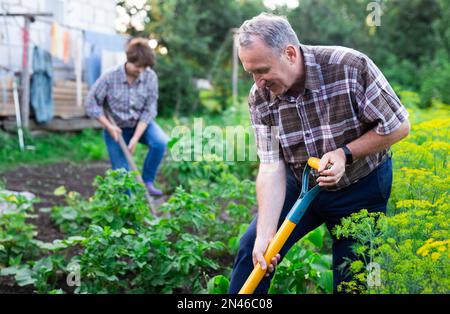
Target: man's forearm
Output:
[
  {"x": 271, "y": 192},
  {"x": 371, "y": 142}
]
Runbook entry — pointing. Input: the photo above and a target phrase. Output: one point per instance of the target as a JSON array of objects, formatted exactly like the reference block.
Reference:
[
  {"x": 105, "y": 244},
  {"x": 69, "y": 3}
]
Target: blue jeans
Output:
[
  {"x": 153, "y": 137},
  {"x": 371, "y": 192}
]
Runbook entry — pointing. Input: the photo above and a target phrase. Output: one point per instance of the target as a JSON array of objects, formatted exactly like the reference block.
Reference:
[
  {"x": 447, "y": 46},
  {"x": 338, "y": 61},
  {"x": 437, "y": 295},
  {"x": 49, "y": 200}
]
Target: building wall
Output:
[{"x": 96, "y": 16}]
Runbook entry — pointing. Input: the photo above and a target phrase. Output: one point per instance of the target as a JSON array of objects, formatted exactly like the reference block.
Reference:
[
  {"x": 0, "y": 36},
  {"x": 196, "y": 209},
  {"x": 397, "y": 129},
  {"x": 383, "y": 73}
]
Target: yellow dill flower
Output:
[
  {"x": 423, "y": 251},
  {"x": 435, "y": 256},
  {"x": 11, "y": 198},
  {"x": 420, "y": 250},
  {"x": 422, "y": 204},
  {"x": 437, "y": 146},
  {"x": 437, "y": 243}
]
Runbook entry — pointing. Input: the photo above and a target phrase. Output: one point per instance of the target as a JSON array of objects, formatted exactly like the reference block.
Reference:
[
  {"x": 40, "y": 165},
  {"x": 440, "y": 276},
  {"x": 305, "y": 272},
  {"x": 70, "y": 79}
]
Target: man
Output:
[
  {"x": 130, "y": 93},
  {"x": 313, "y": 101}
]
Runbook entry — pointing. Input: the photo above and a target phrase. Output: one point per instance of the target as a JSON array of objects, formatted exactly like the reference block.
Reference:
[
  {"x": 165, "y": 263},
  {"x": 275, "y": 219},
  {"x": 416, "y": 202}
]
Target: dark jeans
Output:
[
  {"x": 153, "y": 137},
  {"x": 371, "y": 192}
]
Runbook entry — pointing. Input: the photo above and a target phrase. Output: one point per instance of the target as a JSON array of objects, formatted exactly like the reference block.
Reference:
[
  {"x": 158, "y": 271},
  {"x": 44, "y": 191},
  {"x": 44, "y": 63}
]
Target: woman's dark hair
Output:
[{"x": 139, "y": 53}]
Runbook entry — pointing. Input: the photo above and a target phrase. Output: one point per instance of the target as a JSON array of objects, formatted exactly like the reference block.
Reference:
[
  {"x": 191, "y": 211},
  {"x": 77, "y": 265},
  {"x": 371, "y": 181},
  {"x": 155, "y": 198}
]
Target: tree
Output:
[{"x": 197, "y": 37}]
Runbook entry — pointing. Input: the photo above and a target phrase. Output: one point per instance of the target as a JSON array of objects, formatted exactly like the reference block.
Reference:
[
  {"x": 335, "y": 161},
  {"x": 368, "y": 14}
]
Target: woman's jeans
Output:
[
  {"x": 153, "y": 136},
  {"x": 371, "y": 192}
]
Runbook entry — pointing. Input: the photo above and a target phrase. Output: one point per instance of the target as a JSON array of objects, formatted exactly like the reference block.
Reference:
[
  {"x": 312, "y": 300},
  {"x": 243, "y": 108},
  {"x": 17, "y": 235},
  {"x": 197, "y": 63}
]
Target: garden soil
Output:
[{"x": 42, "y": 181}]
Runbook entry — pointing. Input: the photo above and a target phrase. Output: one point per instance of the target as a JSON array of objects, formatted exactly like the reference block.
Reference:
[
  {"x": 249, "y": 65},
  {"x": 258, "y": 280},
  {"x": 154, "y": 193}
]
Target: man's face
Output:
[
  {"x": 270, "y": 70},
  {"x": 134, "y": 70}
]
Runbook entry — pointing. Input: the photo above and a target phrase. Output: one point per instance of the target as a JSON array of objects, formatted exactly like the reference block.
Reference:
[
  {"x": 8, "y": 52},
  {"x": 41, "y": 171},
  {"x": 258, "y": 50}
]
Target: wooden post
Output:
[
  {"x": 235, "y": 67},
  {"x": 25, "y": 77}
]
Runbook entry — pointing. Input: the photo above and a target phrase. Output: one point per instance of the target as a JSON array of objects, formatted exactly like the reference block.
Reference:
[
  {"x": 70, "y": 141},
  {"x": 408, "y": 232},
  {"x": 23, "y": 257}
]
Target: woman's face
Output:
[{"x": 134, "y": 70}]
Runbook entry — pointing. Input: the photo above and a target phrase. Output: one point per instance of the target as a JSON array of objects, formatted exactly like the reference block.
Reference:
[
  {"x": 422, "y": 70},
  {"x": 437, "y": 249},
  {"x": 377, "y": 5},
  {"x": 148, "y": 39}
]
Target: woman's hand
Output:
[
  {"x": 132, "y": 144},
  {"x": 115, "y": 132}
]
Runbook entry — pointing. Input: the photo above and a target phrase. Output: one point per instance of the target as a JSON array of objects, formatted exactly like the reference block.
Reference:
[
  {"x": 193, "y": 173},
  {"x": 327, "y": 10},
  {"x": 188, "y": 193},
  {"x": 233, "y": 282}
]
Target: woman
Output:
[{"x": 130, "y": 93}]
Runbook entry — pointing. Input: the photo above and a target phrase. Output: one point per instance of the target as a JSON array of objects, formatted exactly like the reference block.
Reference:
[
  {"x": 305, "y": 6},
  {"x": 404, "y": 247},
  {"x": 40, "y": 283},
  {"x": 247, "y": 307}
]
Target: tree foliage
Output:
[{"x": 412, "y": 41}]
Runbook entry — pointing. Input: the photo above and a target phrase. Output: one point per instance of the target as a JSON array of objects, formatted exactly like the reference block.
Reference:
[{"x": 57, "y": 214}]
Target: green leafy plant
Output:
[
  {"x": 305, "y": 268},
  {"x": 218, "y": 285},
  {"x": 46, "y": 273},
  {"x": 119, "y": 201},
  {"x": 148, "y": 261},
  {"x": 16, "y": 234}
]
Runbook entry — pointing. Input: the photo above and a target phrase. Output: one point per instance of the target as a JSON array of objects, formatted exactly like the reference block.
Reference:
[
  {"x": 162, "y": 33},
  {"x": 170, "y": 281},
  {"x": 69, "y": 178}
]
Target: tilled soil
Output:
[{"x": 42, "y": 181}]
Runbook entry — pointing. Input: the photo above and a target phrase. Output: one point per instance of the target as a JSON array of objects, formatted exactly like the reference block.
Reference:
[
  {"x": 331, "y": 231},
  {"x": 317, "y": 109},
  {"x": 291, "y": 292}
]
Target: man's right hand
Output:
[
  {"x": 115, "y": 132},
  {"x": 270, "y": 192},
  {"x": 259, "y": 249}
]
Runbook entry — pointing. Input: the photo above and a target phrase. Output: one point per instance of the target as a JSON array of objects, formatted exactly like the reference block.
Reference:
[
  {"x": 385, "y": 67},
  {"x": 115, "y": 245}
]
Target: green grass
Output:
[
  {"x": 88, "y": 145},
  {"x": 53, "y": 147}
]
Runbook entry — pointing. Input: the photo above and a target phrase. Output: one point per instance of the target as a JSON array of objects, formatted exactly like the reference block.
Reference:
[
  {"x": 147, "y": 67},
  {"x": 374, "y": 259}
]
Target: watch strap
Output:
[{"x": 348, "y": 155}]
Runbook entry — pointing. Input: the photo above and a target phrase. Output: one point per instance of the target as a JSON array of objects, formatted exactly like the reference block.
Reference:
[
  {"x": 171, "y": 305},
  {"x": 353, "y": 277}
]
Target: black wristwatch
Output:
[{"x": 348, "y": 155}]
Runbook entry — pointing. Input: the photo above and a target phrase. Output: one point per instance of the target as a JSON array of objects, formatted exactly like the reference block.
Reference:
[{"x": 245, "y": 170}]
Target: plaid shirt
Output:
[
  {"x": 127, "y": 103},
  {"x": 345, "y": 96}
]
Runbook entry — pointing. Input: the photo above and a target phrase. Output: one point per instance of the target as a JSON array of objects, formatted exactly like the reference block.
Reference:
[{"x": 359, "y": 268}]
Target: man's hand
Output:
[
  {"x": 331, "y": 177},
  {"x": 115, "y": 132},
  {"x": 259, "y": 249},
  {"x": 132, "y": 144}
]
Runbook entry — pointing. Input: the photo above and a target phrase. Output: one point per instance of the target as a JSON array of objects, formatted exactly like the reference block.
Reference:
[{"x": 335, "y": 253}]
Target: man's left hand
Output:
[
  {"x": 132, "y": 145},
  {"x": 331, "y": 176}
]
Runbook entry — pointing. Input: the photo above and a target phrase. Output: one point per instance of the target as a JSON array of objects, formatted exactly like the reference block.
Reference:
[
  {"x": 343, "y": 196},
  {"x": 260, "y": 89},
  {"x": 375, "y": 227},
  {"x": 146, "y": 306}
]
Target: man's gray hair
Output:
[{"x": 274, "y": 30}]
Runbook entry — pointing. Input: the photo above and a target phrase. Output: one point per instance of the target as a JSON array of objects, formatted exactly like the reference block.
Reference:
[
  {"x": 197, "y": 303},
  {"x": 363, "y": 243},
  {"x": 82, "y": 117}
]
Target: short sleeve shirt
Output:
[{"x": 345, "y": 96}]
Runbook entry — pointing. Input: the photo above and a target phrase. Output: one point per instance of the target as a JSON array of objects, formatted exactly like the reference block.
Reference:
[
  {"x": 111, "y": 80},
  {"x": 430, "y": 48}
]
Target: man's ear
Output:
[{"x": 291, "y": 53}]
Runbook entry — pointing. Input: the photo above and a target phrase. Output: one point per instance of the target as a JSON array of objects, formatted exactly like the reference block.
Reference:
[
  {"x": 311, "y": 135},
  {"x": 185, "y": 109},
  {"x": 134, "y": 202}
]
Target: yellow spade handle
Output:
[
  {"x": 274, "y": 248},
  {"x": 313, "y": 162}
]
